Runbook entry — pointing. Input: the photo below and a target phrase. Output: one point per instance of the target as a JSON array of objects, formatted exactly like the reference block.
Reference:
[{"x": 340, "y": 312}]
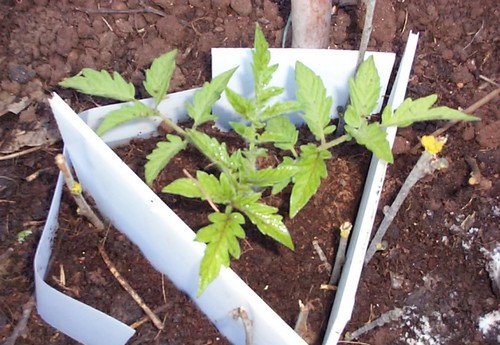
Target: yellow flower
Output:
[{"x": 432, "y": 144}]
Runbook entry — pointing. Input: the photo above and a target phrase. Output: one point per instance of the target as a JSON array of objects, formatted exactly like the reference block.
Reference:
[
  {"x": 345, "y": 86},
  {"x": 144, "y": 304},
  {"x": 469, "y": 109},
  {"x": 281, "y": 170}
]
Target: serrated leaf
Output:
[
  {"x": 311, "y": 95},
  {"x": 351, "y": 118},
  {"x": 159, "y": 74},
  {"x": 280, "y": 131},
  {"x": 211, "y": 148},
  {"x": 271, "y": 176},
  {"x": 278, "y": 187},
  {"x": 222, "y": 241},
  {"x": 240, "y": 104},
  {"x": 261, "y": 57},
  {"x": 312, "y": 168},
  {"x": 220, "y": 191},
  {"x": 364, "y": 89},
  {"x": 268, "y": 93},
  {"x": 158, "y": 159},
  {"x": 183, "y": 186},
  {"x": 373, "y": 137},
  {"x": 243, "y": 130},
  {"x": 125, "y": 114},
  {"x": 265, "y": 218},
  {"x": 203, "y": 100},
  {"x": 278, "y": 109},
  {"x": 412, "y": 111},
  {"x": 100, "y": 83}
]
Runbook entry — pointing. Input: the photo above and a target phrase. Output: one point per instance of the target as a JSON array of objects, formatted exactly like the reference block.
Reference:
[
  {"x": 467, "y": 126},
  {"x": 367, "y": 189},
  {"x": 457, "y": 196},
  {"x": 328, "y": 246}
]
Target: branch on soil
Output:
[
  {"x": 345, "y": 231},
  {"x": 112, "y": 268},
  {"x": 76, "y": 191},
  {"x": 426, "y": 164},
  {"x": 21, "y": 325},
  {"x": 391, "y": 315},
  {"x": 367, "y": 30},
  {"x": 144, "y": 9}
]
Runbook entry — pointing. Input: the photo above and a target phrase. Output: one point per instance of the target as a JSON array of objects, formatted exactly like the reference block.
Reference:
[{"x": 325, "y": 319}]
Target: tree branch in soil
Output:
[
  {"x": 367, "y": 30},
  {"x": 427, "y": 164},
  {"x": 392, "y": 315},
  {"x": 345, "y": 231},
  {"x": 247, "y": 323},
  {"x": 76, "y": 191},
  {"x": 470, "y": 110},
  {"x": 144, "y": 9},
  {"x": 22, "y": 323},
  {"x": 124, "y": 283}
]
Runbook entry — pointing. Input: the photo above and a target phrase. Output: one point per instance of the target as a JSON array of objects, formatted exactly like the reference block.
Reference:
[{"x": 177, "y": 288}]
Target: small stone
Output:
[
  {"x": 242, "y": 7},
  {"x": 19, "y": 73}
]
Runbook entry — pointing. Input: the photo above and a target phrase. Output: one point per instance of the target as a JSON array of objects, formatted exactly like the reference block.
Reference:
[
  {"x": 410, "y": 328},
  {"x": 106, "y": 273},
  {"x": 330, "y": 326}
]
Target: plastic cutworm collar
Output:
[{"x": 164, "y": 239}]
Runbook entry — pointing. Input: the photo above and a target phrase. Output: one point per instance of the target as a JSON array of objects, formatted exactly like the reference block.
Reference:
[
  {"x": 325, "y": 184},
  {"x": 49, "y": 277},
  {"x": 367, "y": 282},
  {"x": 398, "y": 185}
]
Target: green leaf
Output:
[
  {"x": 219, "y": 190},
  {"x": 211, "y": 148},
  {"x": 268, "y": 93},
  {"x": 246, "y": 132},
  {"x": 287, "y": 162},
  {"x": 159, "y": 74},
  {"x": 222, "y": 242},
  {"x": 158, "y": 159},
  {"x": 278, "y": 109},
  {"x": 353, "y": 119},
  {"x": 364, "y": 89},
  {"x": 240, "y": 104},
  {"x": 262, "y": 72},
  {"x": 374, "y": 138},
  {"x": 185, "y": 187},
  {"x": 412, "y": 111},
  {"x": 312, "y": 168},
  {"x": 266, "y": 219},
  {"x": 100, "y": 83},
  {"x": 125, "y": 114},
  {"x": 271, "y": 176},
  {"x": 203, "y": 100},
  {"x": 311, "y": 95},
  {"x": 280, "y": 131}
]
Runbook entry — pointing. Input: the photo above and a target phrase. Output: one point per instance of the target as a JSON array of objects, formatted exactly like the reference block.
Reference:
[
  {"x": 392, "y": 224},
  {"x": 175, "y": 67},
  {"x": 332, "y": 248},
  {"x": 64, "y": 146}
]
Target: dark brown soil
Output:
[{"x": 440, "y": 265}]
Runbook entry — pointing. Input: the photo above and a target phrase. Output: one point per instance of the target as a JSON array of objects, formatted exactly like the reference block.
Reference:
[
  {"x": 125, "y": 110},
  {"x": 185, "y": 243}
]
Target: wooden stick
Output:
[
  {"x": 75, "y": 189},
  {"x": 20, "y": 153},
  {"x": 112, "y": 268}
]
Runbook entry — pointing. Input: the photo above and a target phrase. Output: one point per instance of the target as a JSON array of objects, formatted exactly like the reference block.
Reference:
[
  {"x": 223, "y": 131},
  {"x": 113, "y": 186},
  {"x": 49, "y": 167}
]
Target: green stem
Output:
[
  {"x": 334, "y": 142},
  {"x": 171, "y": 124}
]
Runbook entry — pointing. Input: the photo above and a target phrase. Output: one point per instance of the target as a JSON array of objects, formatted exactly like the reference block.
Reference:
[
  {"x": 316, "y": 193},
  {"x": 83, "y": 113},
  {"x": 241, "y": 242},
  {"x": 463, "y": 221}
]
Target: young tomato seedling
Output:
[{"x": 240, "y": 183}]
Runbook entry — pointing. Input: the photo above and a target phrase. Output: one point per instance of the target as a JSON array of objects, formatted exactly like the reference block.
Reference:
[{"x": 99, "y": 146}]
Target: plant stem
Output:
[
  {"x": 426, "y": 164},
  {"x": 334, "y": 142},
  {"x": 75, "y": 189},
  {"x": 345, "y": 231}
]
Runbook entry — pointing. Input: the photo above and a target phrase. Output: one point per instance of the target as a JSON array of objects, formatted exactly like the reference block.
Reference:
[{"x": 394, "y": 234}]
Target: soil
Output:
[{"x": 434, "y": 264}]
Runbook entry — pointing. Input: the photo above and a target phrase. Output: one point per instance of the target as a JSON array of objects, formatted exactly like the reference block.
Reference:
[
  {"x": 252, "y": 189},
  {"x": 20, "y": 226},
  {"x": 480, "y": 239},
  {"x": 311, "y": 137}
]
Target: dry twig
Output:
[
  {"x": 20, "y": 153},
  {"x": 21, "y": 324},
  {"x": 144, "y": 9},
  {"x": 76, "y": 192},
  {"x": 112, "y": 268}
]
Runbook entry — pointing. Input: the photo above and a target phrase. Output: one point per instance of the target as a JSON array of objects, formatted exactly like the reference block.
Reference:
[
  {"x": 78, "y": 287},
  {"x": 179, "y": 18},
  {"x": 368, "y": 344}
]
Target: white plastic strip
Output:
[{"x": 348, "y": 285}]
